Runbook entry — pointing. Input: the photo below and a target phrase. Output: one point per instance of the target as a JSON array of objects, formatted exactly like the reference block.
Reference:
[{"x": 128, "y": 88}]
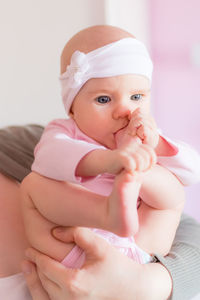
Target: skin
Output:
[
  {"x": 124, "y": 93},
  {"x": 89, "y": 39},
  {"x": 12, "y": 235}
]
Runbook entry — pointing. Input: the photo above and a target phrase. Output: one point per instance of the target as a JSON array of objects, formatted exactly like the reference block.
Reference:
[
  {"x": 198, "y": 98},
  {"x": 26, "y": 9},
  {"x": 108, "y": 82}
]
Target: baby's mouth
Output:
[{"x": 120, "y": 129}]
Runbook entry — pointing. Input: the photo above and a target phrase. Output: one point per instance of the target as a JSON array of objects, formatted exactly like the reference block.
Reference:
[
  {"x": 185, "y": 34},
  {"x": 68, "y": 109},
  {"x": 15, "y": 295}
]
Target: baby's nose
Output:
[{"x": 121, "y": 112}]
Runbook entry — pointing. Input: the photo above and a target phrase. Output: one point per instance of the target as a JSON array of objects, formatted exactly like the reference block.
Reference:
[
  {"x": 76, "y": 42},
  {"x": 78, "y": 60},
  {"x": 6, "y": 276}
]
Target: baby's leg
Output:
[
  {"x": 159, "y": 214},
  {"x": 72, "y": 205},
  {"x": 122, "y": 204},
  {"x": 157, "y": 228},
  {"x": 121, "y": 213},
  {"x": 38, "y": 230}
]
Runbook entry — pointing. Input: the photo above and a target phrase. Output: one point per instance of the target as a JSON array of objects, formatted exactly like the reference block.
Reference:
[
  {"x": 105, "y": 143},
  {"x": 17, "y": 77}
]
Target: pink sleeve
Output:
[
  {"x": 58, "y": 153},
  {"x": 185, "y": 164}
]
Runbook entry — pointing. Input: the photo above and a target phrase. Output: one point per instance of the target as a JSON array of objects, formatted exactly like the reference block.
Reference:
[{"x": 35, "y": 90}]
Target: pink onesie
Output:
[{"x": 57, "y": 155}]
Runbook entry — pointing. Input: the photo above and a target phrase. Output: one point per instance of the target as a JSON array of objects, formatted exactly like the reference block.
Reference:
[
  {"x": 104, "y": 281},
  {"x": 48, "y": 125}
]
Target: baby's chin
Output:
[{"x": 110, "y": 143}]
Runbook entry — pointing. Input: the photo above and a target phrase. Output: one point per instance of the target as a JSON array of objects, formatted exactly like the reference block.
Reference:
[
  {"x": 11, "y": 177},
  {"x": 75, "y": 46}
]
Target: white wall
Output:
[
  {"x": 132, "y": 15},
  {"x": 33, "y": 33}
]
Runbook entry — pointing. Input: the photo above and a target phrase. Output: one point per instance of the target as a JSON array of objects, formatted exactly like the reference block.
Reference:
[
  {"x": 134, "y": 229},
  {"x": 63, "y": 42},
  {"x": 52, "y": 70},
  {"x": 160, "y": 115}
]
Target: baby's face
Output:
[{"x": 103, "y": 105}]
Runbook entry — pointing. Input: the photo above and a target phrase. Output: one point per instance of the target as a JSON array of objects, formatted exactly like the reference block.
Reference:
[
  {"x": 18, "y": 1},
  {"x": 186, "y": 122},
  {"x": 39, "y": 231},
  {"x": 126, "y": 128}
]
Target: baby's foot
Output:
[
  {"x": 122, "y": 204},
  {"x": 127, "y": 137}
]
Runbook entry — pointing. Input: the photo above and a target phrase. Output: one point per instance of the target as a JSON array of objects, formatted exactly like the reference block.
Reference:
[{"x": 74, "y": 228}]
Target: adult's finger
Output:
[
  {"x": 33, "y": 281},
  {"x": 52, "y": 269},
  {"x": 92, "y": 244},
  {"x": 53, "y": 288}
]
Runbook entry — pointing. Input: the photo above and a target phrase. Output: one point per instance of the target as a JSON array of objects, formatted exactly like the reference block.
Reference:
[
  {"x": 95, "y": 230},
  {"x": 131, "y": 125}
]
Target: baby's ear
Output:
[{"x": 71, "y": 113}]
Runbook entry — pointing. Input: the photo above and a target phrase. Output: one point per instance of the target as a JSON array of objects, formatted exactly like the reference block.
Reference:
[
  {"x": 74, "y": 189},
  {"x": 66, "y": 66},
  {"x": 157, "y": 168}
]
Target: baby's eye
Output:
[
  {"x": 103, "y": 99},
  {"x": 136, "y": 97}
]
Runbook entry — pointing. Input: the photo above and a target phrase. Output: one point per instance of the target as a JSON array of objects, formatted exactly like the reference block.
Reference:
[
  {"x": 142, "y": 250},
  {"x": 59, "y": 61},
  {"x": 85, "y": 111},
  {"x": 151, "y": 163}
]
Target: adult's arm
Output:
[{"x": 183, "y": 260}]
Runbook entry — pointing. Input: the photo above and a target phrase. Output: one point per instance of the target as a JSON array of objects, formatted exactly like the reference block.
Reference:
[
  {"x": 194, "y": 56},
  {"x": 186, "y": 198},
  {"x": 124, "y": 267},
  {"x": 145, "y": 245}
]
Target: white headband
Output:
[{"x": 126, "y": 56}]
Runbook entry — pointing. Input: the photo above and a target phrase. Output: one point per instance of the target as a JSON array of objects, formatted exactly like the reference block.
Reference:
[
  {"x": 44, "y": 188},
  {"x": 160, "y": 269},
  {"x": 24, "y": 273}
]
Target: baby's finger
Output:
[
  {"x": 151, "y": 153},
  {"x": 145, "y": 117},
  {"x": 135, "y": 112},
  {"x": 146, "y": 122},
  {"x": 129, "y": 163},
  {"x": 142, "y": 133},
  {"x": 50, "y": 286},
  {"x": 142, "y": 160},
  {"x": 151, "y": 139},
  {"x": 139, "y": 114},
  {"x": 133, "y": 126},
  {"x": 52, "y": 269}
]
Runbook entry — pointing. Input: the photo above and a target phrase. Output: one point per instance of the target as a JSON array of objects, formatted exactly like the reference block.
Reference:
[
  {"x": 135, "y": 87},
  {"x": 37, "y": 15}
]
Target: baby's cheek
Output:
[{"x": 146, "y": 108}]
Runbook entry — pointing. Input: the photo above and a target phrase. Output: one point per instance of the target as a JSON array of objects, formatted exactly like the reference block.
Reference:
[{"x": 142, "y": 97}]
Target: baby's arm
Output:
[{"x": 125, "y": 157}]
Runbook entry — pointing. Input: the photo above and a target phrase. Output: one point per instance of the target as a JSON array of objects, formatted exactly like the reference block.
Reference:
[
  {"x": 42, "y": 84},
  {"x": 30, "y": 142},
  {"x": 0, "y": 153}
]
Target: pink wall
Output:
[{"x": 175, "y": 30}]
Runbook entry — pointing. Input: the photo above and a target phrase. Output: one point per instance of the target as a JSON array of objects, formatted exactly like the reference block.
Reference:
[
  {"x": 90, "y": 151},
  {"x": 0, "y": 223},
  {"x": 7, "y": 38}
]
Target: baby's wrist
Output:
[{"x": 112, "y": 163}]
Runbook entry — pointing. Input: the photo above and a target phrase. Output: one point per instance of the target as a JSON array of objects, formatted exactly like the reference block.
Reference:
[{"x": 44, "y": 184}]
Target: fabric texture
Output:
[
  {"x": 16, "y": 149},
  {"x": 183, "y": 260},
  {"x": 76, "y": 258},
  {"x": 14, "y": 288}
]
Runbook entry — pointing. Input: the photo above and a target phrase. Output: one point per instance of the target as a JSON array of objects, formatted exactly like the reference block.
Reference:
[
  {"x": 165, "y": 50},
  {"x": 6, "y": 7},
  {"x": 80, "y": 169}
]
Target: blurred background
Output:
[{"x": 33, "y": 33}]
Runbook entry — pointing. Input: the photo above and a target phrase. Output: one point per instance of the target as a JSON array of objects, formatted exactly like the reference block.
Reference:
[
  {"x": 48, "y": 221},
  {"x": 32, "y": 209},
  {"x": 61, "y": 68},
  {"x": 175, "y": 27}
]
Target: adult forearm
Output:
[{"x": 183, "y": 260}]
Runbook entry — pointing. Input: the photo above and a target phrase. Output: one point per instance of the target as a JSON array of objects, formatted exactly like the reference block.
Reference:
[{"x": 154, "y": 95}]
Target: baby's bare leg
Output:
[
  {"x": 159, "y": 214},
  {"x": 72, "y": 205},
  {"x": 46, "y": 204},
  {"x": 122, "y": 204},
  {"x": 157, "y": 228},
  {"x": 38, "y": 230}
]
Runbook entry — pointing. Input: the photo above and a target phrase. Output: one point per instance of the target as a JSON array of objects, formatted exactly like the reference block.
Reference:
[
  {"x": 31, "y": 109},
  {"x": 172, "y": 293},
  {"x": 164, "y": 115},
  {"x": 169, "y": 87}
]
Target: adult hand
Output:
[
  {"x": 34, "y": 284},
  {"x": 106, "y": 274}
]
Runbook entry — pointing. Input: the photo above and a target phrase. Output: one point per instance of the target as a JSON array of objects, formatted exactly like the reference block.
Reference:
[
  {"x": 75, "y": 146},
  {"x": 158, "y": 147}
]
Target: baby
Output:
[{"x": 107, "y": 167}]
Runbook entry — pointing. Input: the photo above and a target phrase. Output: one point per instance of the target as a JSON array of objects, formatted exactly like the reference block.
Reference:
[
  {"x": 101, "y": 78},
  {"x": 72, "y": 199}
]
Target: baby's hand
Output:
[
  {"x": 133, "y": 156},
  {"x": 144, "y": 126}
]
